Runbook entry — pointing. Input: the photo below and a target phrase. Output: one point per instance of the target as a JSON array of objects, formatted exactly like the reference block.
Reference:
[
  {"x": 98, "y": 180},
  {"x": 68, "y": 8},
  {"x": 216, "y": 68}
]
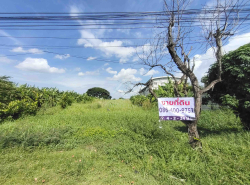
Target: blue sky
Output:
[{"x": 87, "y": 63}]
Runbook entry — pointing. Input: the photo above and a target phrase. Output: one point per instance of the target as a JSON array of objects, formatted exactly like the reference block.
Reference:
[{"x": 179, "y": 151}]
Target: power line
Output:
[
  {"x": 123, "y": 13},
  {"x": 74, "y": 56},
  {"x": 100, "y": 46},
  {"x": 81, "y": 57},
  {"x": 87, "y": 38},
  {"x": 74, "y": 38},
  {"x": 100, "y": 38}
]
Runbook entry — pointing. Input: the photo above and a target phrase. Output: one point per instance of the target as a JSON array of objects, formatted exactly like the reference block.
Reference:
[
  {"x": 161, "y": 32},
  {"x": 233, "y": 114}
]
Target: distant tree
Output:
[
  {"x": 234, "y": 90},
  {"x": 99, "y": 93}
]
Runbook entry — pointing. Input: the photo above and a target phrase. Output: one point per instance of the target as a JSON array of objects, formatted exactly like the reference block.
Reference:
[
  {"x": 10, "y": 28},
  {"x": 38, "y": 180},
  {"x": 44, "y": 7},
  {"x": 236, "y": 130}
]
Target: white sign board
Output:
[{"x": 176, "y": 108}]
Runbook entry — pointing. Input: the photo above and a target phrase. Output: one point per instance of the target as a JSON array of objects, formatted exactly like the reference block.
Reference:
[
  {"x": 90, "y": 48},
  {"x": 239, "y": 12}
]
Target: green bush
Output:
[
  {"x": 234, "y": 89},
  {"x": 87, "y": 98},
  {"x": 138, "y": 99},
  {"x": 7, "y": 90},
  {"x": 66, "y": 100},
  {"x": 18, "y": 108},
  {"x": 16, "y": 101}
]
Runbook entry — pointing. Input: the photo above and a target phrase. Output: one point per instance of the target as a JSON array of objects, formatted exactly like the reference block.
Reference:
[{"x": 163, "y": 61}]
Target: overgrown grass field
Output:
[{"x": 115, "y": 142}]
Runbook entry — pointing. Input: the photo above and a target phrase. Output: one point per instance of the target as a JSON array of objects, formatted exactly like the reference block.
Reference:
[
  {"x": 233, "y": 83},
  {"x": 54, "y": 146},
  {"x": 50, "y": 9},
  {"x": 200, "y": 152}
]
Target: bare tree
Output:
[
  {"x": 171, "y": 41},
  {"x": 218, "y": 24}
]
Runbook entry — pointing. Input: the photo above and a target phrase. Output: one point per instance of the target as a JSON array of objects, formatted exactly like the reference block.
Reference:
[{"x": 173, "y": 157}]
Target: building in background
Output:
[{"x": 156, "y": 82}]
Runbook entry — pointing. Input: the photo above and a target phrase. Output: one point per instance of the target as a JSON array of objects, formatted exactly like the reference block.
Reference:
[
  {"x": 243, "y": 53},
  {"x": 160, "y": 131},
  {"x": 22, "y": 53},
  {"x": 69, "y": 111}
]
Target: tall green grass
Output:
[{"x": 115, "y": 142}]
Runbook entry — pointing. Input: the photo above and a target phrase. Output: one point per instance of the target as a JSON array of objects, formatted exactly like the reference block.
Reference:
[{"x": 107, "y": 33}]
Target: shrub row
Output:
[{"x": 16, "y": 101}]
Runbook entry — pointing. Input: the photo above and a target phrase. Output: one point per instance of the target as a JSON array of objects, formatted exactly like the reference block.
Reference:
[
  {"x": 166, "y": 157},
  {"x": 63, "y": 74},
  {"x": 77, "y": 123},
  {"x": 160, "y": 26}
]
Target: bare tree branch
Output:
[
  {"x": 148, "y": 85},
  {"x": 220, "y": 29}
]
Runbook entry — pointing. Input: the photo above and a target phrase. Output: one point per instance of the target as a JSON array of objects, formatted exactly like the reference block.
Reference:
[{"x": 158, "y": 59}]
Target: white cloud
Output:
[
  {"x": 112, "y": 48},
  {"x": 123, "y": 60},
  {"x": 82, "y": 85},
  {"x": 89, "y": 73},
  {"x": 203, "y": 61},
  {"x": 126, "y": 75},
  {"x": 121, "y": 91},
  {"x": 152, "y": 72},
  {"x": 91, "y": 58},
  {"x": 106, "y": 64},
  {"x": 115, "y": 48},
  {"x": 38, "y": 65},
  {"x": 6, "y": 60},
  {"x": 148, "y": 73},
  {"x": 135, "y": 59},
  {"x": 142, "y": 71},
  {"x": 81, "y": 74},
  {"x": 77, "y": 69},
  {"x": 21, "y": 50},
  {"x": 109, "y": 70},
  {"x": 62, "y": 57}
]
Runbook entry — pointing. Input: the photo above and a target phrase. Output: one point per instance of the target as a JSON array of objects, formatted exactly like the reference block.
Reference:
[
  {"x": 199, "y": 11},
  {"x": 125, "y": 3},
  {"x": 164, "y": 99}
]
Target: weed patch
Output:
[{"x": 118, "y": 143}]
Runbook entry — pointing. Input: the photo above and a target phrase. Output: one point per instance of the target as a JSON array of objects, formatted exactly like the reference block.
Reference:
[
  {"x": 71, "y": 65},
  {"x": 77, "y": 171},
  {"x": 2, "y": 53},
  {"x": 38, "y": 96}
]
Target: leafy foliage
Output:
[
  {"x": 163, "y": 91},
  {"x": 66, "y": 100},
  {"x": 87, "y": 98},
  {"x": 230, "y": 101},
  {"x": 98, "y": 93},
  {"x": 16, "y": 101},
  {"x": 138, "y": 99},
  {"x": 168, "y": 90},
  {"x": 234, "y": 90},
  {"x": 7, "y": 89}
]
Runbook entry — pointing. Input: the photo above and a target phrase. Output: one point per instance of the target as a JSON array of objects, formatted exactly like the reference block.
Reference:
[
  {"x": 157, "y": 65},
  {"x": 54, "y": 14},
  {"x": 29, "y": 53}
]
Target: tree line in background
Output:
[{"x": 17, "y": 101}]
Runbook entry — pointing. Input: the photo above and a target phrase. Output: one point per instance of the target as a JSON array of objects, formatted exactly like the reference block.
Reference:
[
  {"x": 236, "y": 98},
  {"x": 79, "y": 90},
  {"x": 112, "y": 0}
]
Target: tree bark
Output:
[
  {"x": 193, "y": 135},
  {"x": 151, "y": 89},
  {"x": 194, "y": 139}
]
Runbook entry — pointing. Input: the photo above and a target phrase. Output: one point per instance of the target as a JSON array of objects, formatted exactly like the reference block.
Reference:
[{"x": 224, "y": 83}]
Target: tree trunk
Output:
[
  {"x": 193, "y": 135},
  {"x": 194, "y": 138}
]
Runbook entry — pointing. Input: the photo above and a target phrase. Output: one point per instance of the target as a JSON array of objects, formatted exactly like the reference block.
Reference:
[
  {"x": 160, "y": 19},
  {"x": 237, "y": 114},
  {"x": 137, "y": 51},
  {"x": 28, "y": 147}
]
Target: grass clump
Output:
[
  {"x": 95, "y": 106},
  {"x": 30, "y": 139},
  {"x": 119, "y": 143},
  {"x": 97, "y": 132}
]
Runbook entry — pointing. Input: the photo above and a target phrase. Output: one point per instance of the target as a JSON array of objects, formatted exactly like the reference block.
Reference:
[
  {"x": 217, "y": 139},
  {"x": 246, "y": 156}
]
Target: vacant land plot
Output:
[{"x": 115, "y": 142}]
